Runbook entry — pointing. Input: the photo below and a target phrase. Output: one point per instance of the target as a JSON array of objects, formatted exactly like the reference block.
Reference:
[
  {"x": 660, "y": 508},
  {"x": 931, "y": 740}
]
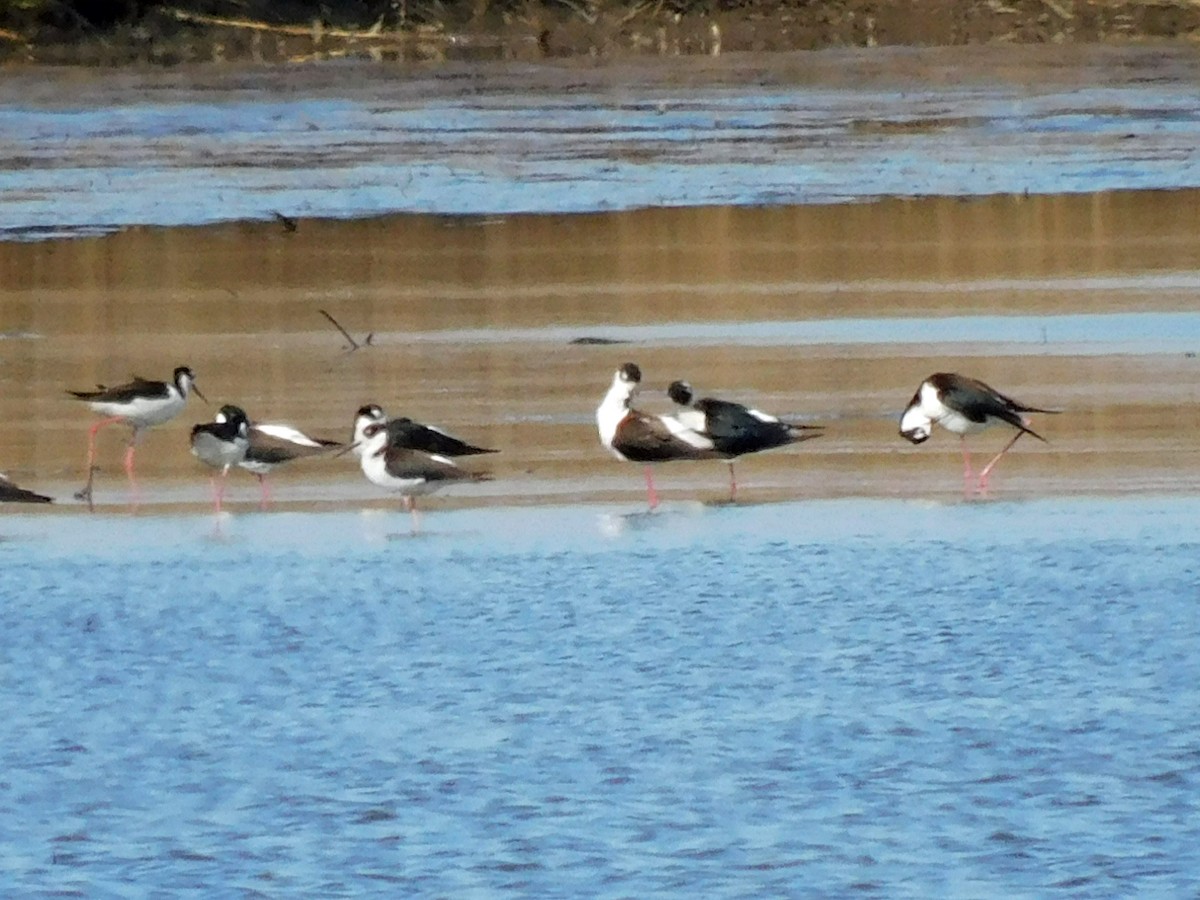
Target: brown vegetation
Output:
[{"x": 125, "y": 31}]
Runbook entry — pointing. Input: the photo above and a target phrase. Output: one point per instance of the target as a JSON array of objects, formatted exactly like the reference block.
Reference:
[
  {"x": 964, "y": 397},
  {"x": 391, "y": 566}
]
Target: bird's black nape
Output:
[{"x": 680, "y": 392}]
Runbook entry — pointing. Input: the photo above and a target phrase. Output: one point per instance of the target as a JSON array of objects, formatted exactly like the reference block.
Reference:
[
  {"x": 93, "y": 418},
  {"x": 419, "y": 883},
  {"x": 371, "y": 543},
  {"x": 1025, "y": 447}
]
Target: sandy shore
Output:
[{"x": 473, "y": 324}]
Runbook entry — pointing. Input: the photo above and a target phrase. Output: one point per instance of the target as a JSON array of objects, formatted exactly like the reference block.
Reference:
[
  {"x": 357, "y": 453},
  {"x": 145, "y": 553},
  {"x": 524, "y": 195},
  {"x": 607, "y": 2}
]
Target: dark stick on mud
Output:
[
  {"x": 354, "y": 345},
  {"x": 289, "y": 224}
]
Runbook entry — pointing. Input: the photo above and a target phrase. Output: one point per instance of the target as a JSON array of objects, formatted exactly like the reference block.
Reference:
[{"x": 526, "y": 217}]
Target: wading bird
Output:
[
  {"x": 635, "y": 436},
  {"x": 735, "y": 430},
  {"x": 965, "y": 406},
  {"x": 406, "y": 470},
  {"x": 272, "y": 445},
  {"x": 140, "y": 404},
  {"x": 405, "y": 432},
  {"x": 222, "y": 444}
]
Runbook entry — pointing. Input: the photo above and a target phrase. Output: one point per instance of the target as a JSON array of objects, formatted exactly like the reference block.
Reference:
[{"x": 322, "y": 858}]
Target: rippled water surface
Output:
[
  {"x": 94, "y": 152},
  {"x": 876, "y": 698}
]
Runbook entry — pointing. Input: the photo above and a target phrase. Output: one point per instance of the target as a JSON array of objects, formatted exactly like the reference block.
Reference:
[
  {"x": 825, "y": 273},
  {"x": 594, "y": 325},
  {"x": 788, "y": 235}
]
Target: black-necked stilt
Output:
[
  {"x": 272, "y": 445},
  {"x": 10, "y": 493},
  {"x": 964, "y": 406},
  {"x": 404, "y": 432},
  {"x": 735, "y": 430},
  {"x": 407, "y": 471},
  {"x": 140, "y": 404},
  {"x": 636, "y": 436},
  {"x": 222, "y": 443}
]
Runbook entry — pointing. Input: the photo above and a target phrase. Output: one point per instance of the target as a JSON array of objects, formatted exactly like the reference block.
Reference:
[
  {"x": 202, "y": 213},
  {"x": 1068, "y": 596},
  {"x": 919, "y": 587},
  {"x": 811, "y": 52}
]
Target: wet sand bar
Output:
[{"x": 473, "y": 320}]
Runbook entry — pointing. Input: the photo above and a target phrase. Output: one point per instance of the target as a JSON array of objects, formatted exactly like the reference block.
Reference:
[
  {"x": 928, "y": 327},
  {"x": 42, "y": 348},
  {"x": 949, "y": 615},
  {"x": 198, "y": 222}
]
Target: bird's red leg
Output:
[
  {"x": 92, "y": 437},
  {"x": 264, "y": 493},
  {"x": 968, "y": 474},
  {"x": 987, "y": 470},
  {"x": 85, "y": 493},
  {"x": 133, "y": 487},
  {"x": 224, "y": 479},
  {"x": 651, "y": 493},
  {"x": 732, "y": 484}
]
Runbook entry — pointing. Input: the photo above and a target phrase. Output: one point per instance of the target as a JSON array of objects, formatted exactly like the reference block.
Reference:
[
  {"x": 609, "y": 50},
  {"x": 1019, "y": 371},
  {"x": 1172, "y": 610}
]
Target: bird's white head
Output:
[
  {"x": 374, "y": 439},
  {"x": 916, "y": 425},
  {"x": 626, "y": 382},
  {"x": 185, "y": 383},
  {"x": 371, "y": 414},
  {"x": 615, "y": 405}
]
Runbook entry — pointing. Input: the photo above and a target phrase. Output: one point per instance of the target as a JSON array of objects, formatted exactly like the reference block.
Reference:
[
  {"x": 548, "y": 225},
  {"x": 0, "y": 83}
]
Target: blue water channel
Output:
[
  {"x": 345, "y": 140},
  {"x": 835, "y": 698}
]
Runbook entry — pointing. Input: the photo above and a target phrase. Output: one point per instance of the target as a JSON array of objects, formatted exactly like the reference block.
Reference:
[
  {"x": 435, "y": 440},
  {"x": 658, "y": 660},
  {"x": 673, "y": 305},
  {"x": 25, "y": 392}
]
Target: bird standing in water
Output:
[
  {"x": 965, "y": 406},
  {"x": 222, "y": 444},
  {"x": 635, "y": 436},
  {"x": 271, "y": 446},
  {"x": 413, "y": 435},
  {"x": 410, "y": 472},
  {"x": 735, "y": 430},
  {"x": 140, "y": 404}
]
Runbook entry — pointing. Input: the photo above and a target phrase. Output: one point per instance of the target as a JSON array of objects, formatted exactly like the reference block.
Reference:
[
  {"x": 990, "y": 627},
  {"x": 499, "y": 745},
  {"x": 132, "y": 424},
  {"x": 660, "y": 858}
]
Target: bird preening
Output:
[{"x": 964, "y": 406}]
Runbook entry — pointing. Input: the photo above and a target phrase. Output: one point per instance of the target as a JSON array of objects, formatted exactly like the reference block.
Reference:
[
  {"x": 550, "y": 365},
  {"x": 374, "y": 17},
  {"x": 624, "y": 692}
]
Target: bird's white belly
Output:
[
  {"x": 217, "y": 453},
  {"x": 142, "y": 412},
  {"x": 377, "y": 473},
  {"x": 954, "y": 421},
  {"x": 257, "y": 466}
]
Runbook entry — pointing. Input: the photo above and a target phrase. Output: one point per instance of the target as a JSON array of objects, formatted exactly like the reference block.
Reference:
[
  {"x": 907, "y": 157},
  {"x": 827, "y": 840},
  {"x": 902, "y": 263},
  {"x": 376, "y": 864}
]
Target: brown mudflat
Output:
[{"x": 476, "y": 323}]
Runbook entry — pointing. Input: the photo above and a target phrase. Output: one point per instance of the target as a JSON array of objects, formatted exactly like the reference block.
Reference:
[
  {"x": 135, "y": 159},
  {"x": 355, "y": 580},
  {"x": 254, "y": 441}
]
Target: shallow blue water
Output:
[
  {"x": 872, "y": 698},
  {"x": 351, "y": 140},
  {"x": 1085, "y": 334}
]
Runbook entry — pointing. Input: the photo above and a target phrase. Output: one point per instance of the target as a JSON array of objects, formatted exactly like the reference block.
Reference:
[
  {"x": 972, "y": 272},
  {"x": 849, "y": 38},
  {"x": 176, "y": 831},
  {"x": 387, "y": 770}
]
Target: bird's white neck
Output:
[{"x": 613, "y": 408}]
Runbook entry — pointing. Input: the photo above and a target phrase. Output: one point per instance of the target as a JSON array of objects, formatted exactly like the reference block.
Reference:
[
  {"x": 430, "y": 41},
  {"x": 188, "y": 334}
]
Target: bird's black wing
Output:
[
  {"x": 405, "y": 432},
  {"x": 979, "y": 402}
]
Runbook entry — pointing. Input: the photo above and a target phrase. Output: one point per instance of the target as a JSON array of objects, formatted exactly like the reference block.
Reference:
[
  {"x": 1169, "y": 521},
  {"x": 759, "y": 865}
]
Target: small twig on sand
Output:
[
  {"x": 354, "y": 345},
  {"x": 289, "y": 224}
]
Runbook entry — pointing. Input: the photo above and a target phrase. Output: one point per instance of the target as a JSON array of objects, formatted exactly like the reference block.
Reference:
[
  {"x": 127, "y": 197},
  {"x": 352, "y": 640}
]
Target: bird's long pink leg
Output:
[
  {"x": 732, "y": 484},
  {"x": 133, "y": 485},
  {"x": 86, "y": 492},
  {"x": 410, "y": 503},
  {"x": 264, "y": 498},
  {"x": 651, "y": 493},
  {"x": 987, "y": 470},
  {"x": 218, "y": 482},
  {"x": 92, "y": 437},
  {"x": 968, "y": 474}
]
